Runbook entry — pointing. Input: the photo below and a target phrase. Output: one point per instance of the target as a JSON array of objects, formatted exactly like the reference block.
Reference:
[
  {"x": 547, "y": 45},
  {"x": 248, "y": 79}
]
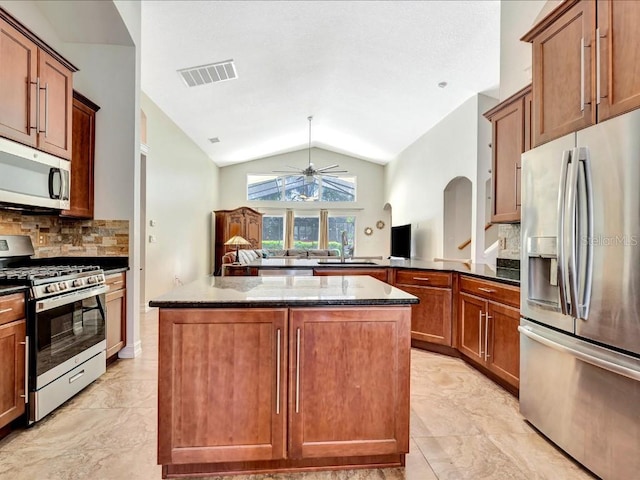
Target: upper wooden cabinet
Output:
[
  {"x": 35, "y": 90},
  {"x": 511, "y": 136},
  {"x": 243, "y": 221},
  {"x": 584, "y": 65},
  {"x": 82, "y": 159}
]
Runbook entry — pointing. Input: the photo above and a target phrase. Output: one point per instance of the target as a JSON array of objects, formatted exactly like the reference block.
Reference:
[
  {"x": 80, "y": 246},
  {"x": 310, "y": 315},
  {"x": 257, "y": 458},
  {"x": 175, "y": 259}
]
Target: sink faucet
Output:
[{"x": 345, "y": 244}]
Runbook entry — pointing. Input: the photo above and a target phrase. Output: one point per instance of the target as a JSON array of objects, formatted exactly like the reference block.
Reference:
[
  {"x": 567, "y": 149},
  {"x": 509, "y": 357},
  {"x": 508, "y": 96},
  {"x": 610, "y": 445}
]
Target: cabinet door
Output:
[
  {"x": 12, "y": 371},
  {"x": 471, "y": 326},
  {"x": 82, "y": 160},
  {"x": 234, "y": 225},
  {"x": 508, "y": 145},
  {"x": 349, "y": 381},
  {"x": 431, "y": 318},
  {"x": 116, "y": 321},
  {"x": 18, "y": 69},
  {"x": 503, "y": 355},
  {"x": 562, "y": 76},
  {"x": 221, "y": 385},
  {"x": 56, "y": 86},
  {"x": 253, "y": 229},
  {"x": 619, "y": 67}
]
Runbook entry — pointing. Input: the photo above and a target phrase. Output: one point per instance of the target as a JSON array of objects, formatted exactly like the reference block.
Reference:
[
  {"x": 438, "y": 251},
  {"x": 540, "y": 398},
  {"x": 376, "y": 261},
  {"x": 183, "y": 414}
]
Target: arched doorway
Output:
[{"x": 457, "y": 218}]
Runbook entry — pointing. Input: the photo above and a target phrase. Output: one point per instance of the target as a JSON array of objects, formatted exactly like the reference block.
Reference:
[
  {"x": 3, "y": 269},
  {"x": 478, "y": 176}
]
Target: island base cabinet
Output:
[
  {"x": 349, "y": 382},
  {"x": 221, "y": 385}
]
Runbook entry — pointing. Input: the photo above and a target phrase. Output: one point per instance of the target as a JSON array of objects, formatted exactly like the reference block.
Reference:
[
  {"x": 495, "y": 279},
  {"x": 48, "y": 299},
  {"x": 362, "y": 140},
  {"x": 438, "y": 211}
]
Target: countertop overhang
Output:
[{"x": 283, "y": 291}]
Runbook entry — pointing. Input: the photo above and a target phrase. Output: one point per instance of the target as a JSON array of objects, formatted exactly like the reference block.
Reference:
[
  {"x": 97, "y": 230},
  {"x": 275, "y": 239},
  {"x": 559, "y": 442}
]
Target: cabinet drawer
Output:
[
  {"x": 425, "y": 278},
  {"x": 116, "y": 281},
  {"x": 497, "y": 292},
  {"x": 11, "y": 308}
]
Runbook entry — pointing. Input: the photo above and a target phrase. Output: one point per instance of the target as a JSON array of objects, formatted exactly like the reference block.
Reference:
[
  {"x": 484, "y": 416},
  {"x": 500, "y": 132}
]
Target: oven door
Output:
[{"x": 68, "y": 330}]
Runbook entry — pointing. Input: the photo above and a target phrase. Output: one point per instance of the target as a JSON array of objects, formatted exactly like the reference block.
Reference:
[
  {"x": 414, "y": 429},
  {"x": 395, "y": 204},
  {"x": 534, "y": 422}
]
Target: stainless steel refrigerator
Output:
[{"x": 580, "y": 295}]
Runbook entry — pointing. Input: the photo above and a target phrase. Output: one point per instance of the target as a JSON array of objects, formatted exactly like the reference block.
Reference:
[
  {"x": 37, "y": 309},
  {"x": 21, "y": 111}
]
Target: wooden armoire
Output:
[{"x": 243, "y": 221}]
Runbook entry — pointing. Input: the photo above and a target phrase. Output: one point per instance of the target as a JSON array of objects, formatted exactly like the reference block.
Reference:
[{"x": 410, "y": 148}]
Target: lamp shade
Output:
[{"x": 237, "y": 240}]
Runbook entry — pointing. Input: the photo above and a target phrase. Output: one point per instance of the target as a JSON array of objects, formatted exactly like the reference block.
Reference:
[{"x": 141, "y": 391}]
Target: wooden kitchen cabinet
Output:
[
  {"x": 243, "y": 221},
  {"x": 379, "y": 273},
  {"x": 488, "y": 319},
  {"x": 584, "y": 65},
  {"x": 82, "y": 158},
  {"x": 12, "y": 357},
  {"x": 36, "y": 87},
  {"x": 511, "y": 136},
  {"x": 116, "y": 324},
  {"x": 431, "y": 318},
  {"x": 222, "y": 385},
  {"x": 340, "y": 405}
]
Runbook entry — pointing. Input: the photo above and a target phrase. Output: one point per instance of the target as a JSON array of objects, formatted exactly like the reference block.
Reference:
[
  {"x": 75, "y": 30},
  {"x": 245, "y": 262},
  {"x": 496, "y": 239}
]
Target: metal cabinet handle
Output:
[
  {"x": 5, "y": 310},
  {"x": 278, "y": 352},
  {"x": 298, "y": 370},
  {"x": 480, "y": 352},
  {"x": 582, "y": 74},
  {"x": 46, "y": 110},
  {"x": 37, "y": 84},
  {"x": 26, "y": 367},
  {"x": 425, "y": 279},
  {"x": 487, "y": 317},
  {"x": 487, "y": 290},
  {"x": 121, "y": 281},
  {"x": 598, "y": 66}
]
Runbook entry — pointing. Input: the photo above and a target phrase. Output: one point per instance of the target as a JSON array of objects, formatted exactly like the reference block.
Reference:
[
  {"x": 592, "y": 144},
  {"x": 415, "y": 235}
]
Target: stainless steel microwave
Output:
[{"x": 31, "y": 179}]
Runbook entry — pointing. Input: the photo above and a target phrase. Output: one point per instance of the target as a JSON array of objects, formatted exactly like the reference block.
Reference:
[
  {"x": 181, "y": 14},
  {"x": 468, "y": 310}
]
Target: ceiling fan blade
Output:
[
  {"x": 332, "y": 172},
  {"x": 327, "y": 168},
  {"x": 285, "y": 171}
]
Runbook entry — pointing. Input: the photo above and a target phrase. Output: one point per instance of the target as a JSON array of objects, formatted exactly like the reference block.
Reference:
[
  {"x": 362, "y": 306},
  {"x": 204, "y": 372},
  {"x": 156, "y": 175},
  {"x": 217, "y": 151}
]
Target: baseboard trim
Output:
[{"x": 131, "y": 351}]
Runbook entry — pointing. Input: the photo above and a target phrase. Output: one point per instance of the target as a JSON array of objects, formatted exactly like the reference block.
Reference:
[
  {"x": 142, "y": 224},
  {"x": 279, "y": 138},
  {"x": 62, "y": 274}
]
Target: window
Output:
[
  {"x": 273, "y": 232},
  {"x": 298, "y": 188},
  {"x": 306, "y": 232},
  {"x": 339, "y": 224}
]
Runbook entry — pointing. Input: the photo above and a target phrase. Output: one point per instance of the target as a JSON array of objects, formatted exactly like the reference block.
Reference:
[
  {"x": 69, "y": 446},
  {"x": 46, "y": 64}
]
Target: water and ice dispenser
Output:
[{"x": 542, "y": 258}]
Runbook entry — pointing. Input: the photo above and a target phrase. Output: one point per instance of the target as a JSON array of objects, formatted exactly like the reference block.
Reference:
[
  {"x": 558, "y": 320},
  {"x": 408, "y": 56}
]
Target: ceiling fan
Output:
[{"x": 310, "y": 171}]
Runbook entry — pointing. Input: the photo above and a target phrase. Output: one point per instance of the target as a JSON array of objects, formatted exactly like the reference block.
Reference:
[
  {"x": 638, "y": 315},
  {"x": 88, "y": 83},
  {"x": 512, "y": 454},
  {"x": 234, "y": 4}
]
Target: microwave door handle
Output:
[
  {"x": 571, "y": 207},
  {"x": 52, "y": 173},
  {"x": 588, "y": 273},
  {"x": 562, "y": 195}
]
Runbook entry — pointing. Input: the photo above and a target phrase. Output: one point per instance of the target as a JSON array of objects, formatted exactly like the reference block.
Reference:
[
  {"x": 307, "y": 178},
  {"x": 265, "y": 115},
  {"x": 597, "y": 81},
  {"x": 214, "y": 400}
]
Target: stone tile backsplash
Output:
[
  {"x": 509, "y": 241},
  {"x": 53, "y": 236}
]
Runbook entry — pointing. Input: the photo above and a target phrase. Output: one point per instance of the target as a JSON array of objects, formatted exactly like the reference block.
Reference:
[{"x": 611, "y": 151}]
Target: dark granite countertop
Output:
[
  {"x": 283, "y": 291},
  {"x": 7, "y": 289},
  {"x": 504, "y": 275}
]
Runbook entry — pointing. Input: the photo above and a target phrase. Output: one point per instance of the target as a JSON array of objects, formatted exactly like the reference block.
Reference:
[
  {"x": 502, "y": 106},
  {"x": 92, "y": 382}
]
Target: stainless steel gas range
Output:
[{"x": 65, "y": 324}]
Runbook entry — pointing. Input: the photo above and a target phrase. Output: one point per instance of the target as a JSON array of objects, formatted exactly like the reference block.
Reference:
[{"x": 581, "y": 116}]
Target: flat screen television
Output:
[{"x": 401, "y": 241}]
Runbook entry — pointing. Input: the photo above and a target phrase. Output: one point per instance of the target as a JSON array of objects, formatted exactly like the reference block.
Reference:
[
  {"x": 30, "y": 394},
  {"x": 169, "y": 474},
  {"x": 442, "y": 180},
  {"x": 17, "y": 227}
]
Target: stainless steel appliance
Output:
[
  {"x": 33, "y": 179},
  {"x": 65, "y": 324},
  {"x": 580, "y": 294}
]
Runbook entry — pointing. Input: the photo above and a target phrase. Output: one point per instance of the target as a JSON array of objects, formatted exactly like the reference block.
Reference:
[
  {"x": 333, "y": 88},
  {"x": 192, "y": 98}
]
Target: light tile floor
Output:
[{"x": 463, "y": 426}]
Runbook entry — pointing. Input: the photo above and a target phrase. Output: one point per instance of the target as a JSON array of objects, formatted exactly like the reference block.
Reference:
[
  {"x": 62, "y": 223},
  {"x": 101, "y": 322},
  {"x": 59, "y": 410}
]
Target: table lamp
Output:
[{"x": 237, "y": 240}]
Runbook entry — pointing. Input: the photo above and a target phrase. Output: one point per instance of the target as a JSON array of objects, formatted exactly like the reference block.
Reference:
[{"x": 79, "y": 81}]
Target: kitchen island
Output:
[{"x": 264, "y": 374}]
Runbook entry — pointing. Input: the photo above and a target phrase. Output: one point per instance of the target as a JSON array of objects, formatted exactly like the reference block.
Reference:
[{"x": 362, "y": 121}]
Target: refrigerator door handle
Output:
[
  {"x": 585, "y": 357},
  {"x": 571, "y": 207},
  {"x": 562, "y": 194},
  {"x": 585, "y": 162}
]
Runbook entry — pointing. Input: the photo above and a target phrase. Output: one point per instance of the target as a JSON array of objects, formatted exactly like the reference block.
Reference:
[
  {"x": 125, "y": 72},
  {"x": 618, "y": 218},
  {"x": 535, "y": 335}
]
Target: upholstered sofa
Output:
[{"x": 247, "y": 255}]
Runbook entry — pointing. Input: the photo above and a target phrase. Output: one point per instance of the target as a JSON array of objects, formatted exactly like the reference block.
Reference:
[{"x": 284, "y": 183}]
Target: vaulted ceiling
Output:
[{"x": 368, "y": 72}]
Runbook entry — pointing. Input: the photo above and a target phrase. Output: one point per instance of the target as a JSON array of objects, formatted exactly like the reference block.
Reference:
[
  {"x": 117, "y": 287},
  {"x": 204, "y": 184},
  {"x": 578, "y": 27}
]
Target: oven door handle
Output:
[{"x": 59, "y": 300}]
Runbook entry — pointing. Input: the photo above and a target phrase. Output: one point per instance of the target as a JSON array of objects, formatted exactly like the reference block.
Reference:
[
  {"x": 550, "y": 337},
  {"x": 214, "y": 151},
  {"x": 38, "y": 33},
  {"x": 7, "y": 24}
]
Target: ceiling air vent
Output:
[
  {"x": 212, "y": 73},
  {"x": 214, "y": 140}
]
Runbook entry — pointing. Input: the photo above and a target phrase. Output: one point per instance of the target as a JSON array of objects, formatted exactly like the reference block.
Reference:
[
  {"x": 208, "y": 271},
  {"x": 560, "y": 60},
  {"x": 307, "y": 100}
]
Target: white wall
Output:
[
  {"x": 369, "y": 207},
  {"x": 416, "y": 179},
  {"x": 181, "y": 192},
  {"x": 516, "y": 18}
]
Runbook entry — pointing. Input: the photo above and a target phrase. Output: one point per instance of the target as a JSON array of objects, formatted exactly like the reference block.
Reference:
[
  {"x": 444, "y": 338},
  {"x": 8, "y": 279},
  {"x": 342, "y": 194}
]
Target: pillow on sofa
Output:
[
  {"x": 296, "y": 252},
  {"x": 246, "y": 256},
  {"x": 318, "y": 253}
]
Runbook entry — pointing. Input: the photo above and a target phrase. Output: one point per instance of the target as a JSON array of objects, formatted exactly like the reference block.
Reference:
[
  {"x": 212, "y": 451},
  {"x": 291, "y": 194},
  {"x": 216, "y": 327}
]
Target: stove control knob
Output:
[
  {"x": 62, "y": 286},
  {"x": 92, "y": 280},
  {"x": 78, "y": 282},
  {"x": 51, "y": 288}
]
